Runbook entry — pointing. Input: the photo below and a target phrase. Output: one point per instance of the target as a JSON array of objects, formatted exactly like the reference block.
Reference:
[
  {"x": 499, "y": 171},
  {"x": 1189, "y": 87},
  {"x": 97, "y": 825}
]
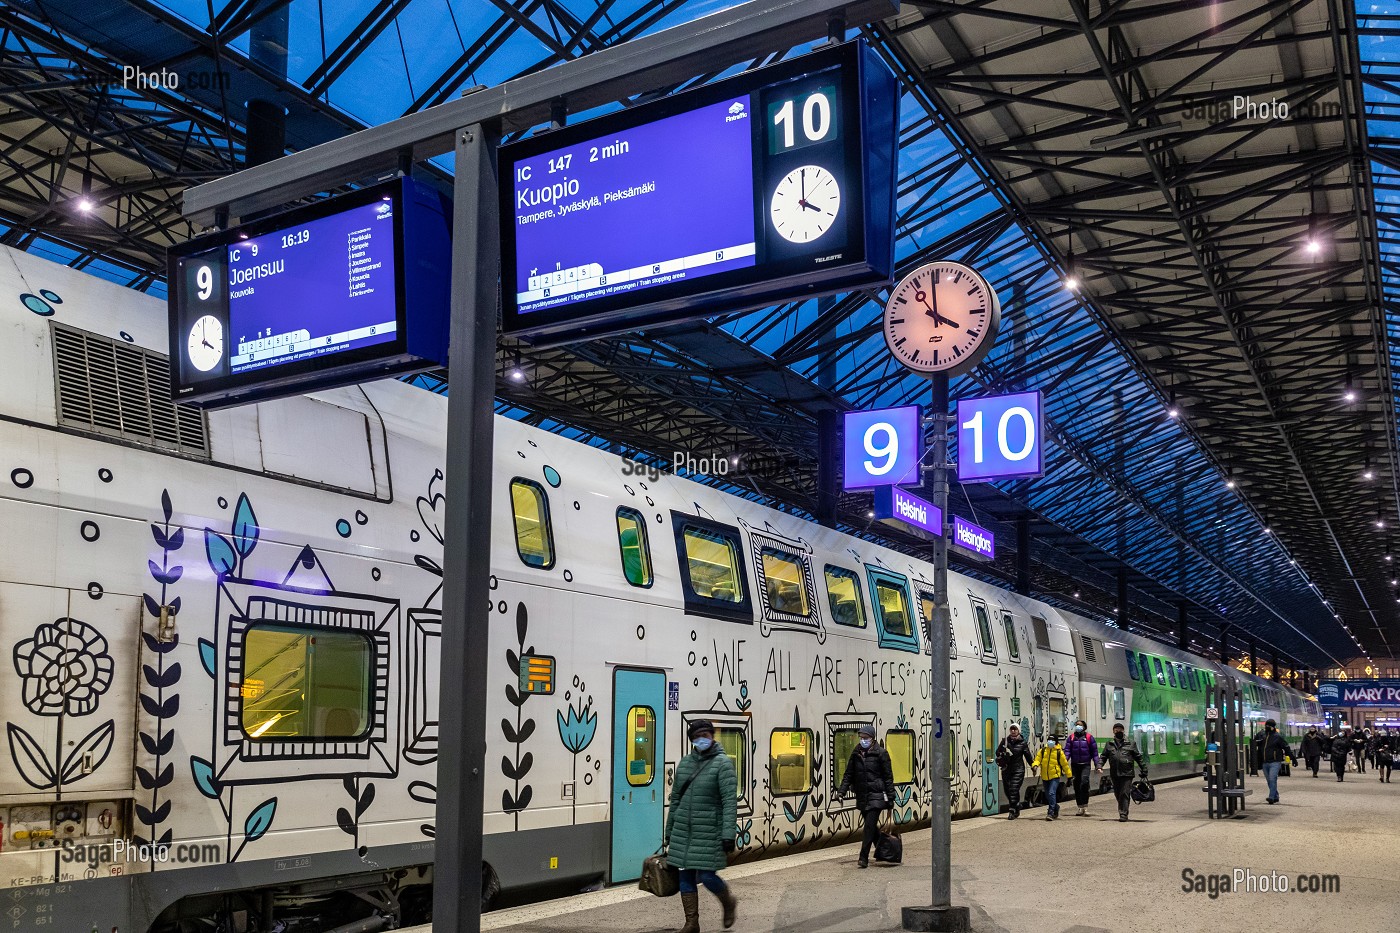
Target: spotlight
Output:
[
  {"x": 869, "y": 514},
  {"x": 1349, "y": 395},
  {"x": 1173, "y": 412},
  {"x": 85, "y": 205},
  {"x": 517, "y": 375},
  {"x": 1071, "y": 281},
  {"x": 1229, "y": 484},
  {"x": 1313, "y": 246},
  {"x": 1369, "y": 474}
]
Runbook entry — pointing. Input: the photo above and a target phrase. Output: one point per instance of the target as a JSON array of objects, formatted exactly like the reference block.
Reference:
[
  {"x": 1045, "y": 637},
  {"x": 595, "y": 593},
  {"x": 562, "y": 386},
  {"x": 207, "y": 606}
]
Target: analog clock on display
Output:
[
  {"x": 941, "y": 318},
  {"x": 206, "y": 343},
  {"x": 805, "y": 203}
]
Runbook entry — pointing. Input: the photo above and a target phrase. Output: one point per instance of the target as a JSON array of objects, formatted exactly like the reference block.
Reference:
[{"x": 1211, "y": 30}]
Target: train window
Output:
[
  {"x": 641, "y": 746},
  {"x": 843, "y": 591},
  {"x": 305, "y": 682},
  {"x": 790, "y": 761},
  {"x": 784, "y": 581},
  {"x": 1013, "y": 647},
  {"x": 1038, "y": 714},
  {"x": 735, "y": 744},
  {"x": 1056, "y": 708},
  {"x": 1161, "y": 675},
  {"x": 632, "y": 543},
  {"x": 1171, "y": 673},
  {"x": 713, "y": 577},
  {"x": 984, "y": 632},
  {"x": 1132, "y": 663},
  {"x": 843, "y": 741},
  {"x": 900, "y": 744},
  {"x": 892, "y": 610},
  {"x": 1103, "y": 701},
  {"x": 1120, "y": 704},
  {"x": 1042, "y": 632},
  {"x": 534, "y": 539},
  {"x": 926, "y": 610}
]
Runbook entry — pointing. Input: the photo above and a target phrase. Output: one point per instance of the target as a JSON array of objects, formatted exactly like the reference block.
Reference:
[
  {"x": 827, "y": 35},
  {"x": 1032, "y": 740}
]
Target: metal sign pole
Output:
[
  {"x": 941, "y": 915},
  {"x": 457, "y": 874}
]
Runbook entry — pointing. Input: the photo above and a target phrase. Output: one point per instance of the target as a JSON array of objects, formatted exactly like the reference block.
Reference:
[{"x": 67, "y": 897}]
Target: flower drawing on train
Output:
[
  {"x": 577, "y": 728},
  {"x": 64, "y": 668}
]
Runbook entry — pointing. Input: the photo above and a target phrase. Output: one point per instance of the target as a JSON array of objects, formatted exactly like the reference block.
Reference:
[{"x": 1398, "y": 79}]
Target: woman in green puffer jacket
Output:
[{"x": 700, "y": 824}]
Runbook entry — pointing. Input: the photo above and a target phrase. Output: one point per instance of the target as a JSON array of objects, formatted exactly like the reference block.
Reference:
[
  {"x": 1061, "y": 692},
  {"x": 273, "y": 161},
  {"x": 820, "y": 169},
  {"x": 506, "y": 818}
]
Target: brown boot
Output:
[
  {"x": 730, "y": 905},
  {"x": 690, "y": 902}
]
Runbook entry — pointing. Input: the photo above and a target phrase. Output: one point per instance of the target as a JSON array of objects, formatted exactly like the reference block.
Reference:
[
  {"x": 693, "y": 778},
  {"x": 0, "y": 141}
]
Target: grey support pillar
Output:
[
  {"x": 1023, "y": 555},
  {"x": 1224, "y": 644},
  {"x": 1183, "y": 627},
  {"x": 266, "y": 129},
  {"x": 1123, "y": 597},
  {"x": 1254, "y": 657},
  {"x": 828, "y": 467}
]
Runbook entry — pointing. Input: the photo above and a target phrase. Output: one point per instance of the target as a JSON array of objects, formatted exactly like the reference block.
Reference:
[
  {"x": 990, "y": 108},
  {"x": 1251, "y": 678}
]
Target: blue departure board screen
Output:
[
  {"x": 349, "y": 288},
  {"x": 771, "y": 185}
]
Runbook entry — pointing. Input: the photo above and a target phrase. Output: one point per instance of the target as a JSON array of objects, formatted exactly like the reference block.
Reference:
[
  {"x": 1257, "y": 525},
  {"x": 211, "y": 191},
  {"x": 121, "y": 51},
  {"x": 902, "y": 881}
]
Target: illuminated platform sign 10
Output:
[
  {"x": 773, "y": 185},
  {"x": 1000, "y": 437},
  {"x": 346, "y": 290},
  {"x": 882, "y": 448}
]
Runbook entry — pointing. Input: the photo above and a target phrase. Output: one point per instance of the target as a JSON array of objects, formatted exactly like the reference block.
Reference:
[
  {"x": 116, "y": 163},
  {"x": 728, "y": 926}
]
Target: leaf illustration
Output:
[
  {"x": 166, "y": 776},
  {"x": 527, "y": 729},
  {"x": 158, "y": 747},
  {"x": 29, "y": 758},
  {"x": 175, "y": 606},
  {"x": 522, "y": 622},
  {"x": 168, "y": 577},
  {"x": 428, "y": 830},
  {"x": 508, "y": 768},
  {"x": 147, "y": 779},
  {"x": 366, "y": 799},
  {"x": 152, "y": 605},
  {"x": 523, "y": 800},
  {"x": 524, "y": 767},
  {"x": 260, "y": 820},
  {"x": 787, "y": 812},
  {"x": 170, "y": 707},
  {"x": 423, "y": 792},
  {"x": 161, "y": 680},
  {"x": 508, "y": 802},
  {"x": 151, "y": 818},
  {"x": 509, "y": 731},
  {"x": 245, "y": 526},
  {"x": 428, "y": 564},
  {"x": 162, "y": 541},
  {"x": 97, "y": 743},
  {"x": 166, "y": 836},
  {"x": 349, "y": 784},
  {"x": 165, "y": 503},
  {"x": 222, "y": 558},
  {"x": 206, "y": 655},
  {"x": 143, "y": 815},
  {"x": 150, "y": 705},
  {"x": 513, "y": 696},
  {"x": 343, "y": 820},
  {"x": 204, "y": 778},
  {"x": 177, "y": 540},
  {"x": 513, "y": 660}
]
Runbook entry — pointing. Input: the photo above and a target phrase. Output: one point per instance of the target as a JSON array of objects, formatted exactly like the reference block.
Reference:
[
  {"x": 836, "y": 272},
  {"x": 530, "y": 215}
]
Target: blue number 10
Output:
[{"x": 974, "y": 424}]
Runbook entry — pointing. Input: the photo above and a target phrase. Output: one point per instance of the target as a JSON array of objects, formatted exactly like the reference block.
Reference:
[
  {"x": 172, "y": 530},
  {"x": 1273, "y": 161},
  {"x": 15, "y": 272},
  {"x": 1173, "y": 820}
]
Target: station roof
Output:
[{"x": 1220, "y": 396}]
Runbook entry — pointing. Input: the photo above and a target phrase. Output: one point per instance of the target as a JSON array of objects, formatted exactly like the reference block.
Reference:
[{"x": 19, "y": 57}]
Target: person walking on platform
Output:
[
  {"x": 1013, "y": 754},
  {"x": 1121, "y": 755},
  {"x": 1269, "y": 750},
  {"x": 1053, "y": 766},
  {"x": 1358, "y": 751},
  {"x": 871, "y": 775},
  {"x": 1385, "y": 753},
  {"x": 701, "y": 823},
  {"x": 1311, "y": 750},
  {"x": 1341, "y": 750},
  {"x": 1083, "y": 751}
]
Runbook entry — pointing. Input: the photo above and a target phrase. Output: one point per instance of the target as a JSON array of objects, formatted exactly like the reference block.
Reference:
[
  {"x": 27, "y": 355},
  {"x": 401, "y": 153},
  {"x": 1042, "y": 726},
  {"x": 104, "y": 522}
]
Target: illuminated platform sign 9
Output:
[
  {"x": 774, "y": 185},
  {"x": 882, "y": 448},
  {"x": 349, "y": 289},
  {"x": 1000, "y": 437}
]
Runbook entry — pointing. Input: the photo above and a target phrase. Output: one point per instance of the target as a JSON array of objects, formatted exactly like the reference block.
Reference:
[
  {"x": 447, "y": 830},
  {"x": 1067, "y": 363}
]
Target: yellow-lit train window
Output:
[
  {"x": 641, "y": 745},
  {"x": 843, "y": 590},
  {"x": 307, "y": 683},
  {"x": 790, "y": 761},
  {"x": 894, "y": 608},
  {"x": 734, "y": 744},
  {"x": 713, "y": 565},
  {"x": 534, "y": 539},
  {"x": 632, "y": 541},
  {"x": 785, "y": 582},
  {"x": 843, "y": 741},
  {"x": 900, "y": 744}
]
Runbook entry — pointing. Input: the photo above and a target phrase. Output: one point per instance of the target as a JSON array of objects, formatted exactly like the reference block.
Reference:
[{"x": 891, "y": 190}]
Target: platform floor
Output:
[{"x": 1074, "y": 875}]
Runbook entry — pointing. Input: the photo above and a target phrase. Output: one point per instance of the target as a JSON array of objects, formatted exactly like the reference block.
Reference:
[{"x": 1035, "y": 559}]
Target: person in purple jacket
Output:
[{"x": 1083, "y": 751}]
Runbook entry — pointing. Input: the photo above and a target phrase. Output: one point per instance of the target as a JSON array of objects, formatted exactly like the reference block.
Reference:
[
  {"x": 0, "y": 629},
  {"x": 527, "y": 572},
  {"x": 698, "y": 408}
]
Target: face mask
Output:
[
  {"x": 703, "y": 745},
  {"x": 1079, "y": 729},
  {"x": 1051, "y": 743},
  {"x": 864, "y": 743},
  {"x": 1117, "y": 735}
]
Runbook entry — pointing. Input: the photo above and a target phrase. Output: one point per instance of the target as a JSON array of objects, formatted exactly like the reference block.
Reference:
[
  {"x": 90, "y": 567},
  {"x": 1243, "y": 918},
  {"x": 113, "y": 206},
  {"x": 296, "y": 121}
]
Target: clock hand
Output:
[
  {"x": 810, "y": 206},
  {"x": 207, "y": 344}
]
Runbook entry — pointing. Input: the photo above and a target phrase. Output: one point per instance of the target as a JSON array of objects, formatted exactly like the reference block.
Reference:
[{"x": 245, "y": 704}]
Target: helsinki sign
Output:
[{"x": 893, "y": 503}]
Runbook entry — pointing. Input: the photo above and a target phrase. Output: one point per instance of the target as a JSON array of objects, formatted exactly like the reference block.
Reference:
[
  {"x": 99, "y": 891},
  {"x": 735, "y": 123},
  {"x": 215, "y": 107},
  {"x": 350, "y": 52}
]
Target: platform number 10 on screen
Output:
[{"x": 1000, "y": 437}]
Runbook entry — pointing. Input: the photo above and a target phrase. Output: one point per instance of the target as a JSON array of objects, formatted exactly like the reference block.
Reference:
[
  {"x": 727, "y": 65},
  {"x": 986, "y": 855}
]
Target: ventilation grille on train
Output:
[
  {"x": 117, "y": 388},
  {"x": 1088, "y": 643}
]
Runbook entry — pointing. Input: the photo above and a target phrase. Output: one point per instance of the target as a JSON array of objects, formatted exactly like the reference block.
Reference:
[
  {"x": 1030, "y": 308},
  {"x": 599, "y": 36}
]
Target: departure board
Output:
[{"x": 772, "y": 185}]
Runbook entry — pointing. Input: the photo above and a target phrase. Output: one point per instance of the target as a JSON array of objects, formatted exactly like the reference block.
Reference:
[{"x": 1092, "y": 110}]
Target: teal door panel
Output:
[
  {"x": 991, "y": 797},
  {"x": 638, "y": 771}
]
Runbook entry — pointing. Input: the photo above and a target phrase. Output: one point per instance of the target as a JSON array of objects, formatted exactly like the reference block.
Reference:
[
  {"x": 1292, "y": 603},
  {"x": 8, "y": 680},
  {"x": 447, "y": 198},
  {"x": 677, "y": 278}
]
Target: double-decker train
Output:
[{"x": 220, "y": 635}]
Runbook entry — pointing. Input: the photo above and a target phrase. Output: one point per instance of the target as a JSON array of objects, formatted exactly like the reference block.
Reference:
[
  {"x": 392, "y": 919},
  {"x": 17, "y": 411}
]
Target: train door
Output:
[
  {"x": 638, "y": 790},
  {"x": 987, "y": 710}
]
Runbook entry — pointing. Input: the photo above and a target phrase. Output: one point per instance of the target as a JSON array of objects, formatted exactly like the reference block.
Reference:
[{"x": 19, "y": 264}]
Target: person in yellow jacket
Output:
[{"x": 1053, "y": 767}]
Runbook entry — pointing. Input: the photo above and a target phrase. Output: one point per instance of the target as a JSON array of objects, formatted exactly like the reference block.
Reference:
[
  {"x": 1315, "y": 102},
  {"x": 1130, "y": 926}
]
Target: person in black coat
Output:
[
  {"x": 869, "y": 773},
  {"x": 1384, "y": 753},
  {"x": 1358, "y": 750},
  {"x": 1013, "y": 754},
  {"x": 1311, "y": 750},
  {"x": 1341, "y": 748}
]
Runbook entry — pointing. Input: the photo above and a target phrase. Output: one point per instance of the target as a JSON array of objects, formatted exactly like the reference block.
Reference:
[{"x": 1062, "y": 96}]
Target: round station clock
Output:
[
  {"x": 206, "y": 343},
  {"x": 805, "y": 203},
  {"x": 941, "y": 318}
]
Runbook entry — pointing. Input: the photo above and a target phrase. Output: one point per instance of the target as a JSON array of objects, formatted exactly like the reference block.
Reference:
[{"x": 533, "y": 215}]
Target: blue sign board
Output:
[
  {"x": 774, "y": 184},
  {"x": 1359, "y": 693},
  {"x": 1000, "y": 437},
  {"x": 979, "y": 541},
  {"x": 882, "y": 448},
  {"x": 894, "y": 504}
]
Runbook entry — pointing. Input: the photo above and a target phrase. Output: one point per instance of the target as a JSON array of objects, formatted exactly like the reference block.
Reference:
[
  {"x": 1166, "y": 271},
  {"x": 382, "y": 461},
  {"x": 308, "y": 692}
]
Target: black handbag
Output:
[
  {"x": 889, "y": 847},
  {"x": 659, "y": 877}
]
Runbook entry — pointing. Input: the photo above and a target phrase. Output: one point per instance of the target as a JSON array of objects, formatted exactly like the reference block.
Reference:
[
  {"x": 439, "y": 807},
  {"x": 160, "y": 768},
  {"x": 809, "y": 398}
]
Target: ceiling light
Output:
[
  {"x": 517, "y": 374},
  {"x": 1349, "y": 395},
  {"x": 1313, "y": 246},
  {"x": 869, "y": 514},
  {"x": 1368, "y": 474},
  {"x": 85, "y": 205},
  {"x": 1229, "y": 484}
]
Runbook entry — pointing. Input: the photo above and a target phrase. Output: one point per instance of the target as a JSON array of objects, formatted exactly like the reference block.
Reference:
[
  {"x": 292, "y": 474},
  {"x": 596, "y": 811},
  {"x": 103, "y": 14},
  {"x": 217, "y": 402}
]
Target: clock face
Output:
[
  {"x": 942, "y": 317},
  {"x": 805, "y": 203},
  {"x": 206, "y": 343}
]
